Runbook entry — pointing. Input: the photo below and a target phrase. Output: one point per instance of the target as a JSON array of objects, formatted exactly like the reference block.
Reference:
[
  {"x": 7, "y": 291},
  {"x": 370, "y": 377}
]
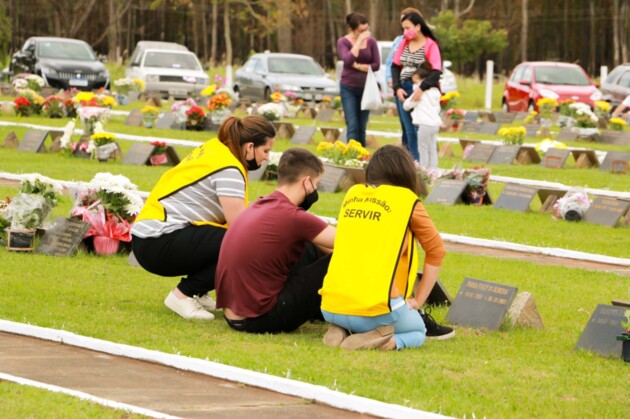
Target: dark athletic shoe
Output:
[{"x": 435, "y": 330}]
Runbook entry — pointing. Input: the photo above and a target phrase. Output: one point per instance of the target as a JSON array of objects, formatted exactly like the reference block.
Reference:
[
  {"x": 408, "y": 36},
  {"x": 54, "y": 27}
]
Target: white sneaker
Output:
[
  {"x": 189, "y": 308},
  {"x": 206, "y": 302}
]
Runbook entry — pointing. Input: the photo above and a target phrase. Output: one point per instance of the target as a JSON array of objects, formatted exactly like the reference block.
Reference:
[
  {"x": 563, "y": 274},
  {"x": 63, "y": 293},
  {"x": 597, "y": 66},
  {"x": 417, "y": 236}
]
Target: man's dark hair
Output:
[{"x": 296, "y": 163}]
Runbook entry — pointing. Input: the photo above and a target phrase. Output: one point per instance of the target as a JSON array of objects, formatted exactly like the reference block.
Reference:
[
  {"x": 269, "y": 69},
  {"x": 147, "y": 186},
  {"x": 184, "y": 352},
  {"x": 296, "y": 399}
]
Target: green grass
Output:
[{"x": 20, "y": 401}]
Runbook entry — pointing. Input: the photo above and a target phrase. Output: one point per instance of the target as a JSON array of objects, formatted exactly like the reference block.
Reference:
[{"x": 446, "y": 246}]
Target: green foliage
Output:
[
  {"x": 463, "y": 41},
  {"x": 40, "y": 188}
]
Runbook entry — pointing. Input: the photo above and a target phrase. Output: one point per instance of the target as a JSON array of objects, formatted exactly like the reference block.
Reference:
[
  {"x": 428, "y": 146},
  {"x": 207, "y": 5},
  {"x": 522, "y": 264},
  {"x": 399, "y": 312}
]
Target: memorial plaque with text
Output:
[
  {"x": 11, "y": 140},
  {"x": 606, "y": 211},
  {"x": 138, "y": 154},
  {"x": 325, "y": 115},
  {"x": 531, "y": 130},
  {"x": 134, "y": 118},
  {"x": 481, "y": 304},
  {"x": 615, "y": 137},
  {"x": 303, "y": 135},
  {"x": 505, "y": 154},
  {"x": 331, "y": 179},
  {"x": 566, "y": 134},
  {"x": 555, "y": 158},
  {"x": 600, "y": 333},
  {"x": 473, "y": 127},
  {"x": 614, "y": 156},
  {"x": 516, "y": 198},
  {"x": 447, "y": 192},
  {"x": 490, "y": 128},
  {"x": 481, "y": 152},
  {"x": 33, "y": 141},
  {"x": 504, "y": 117},
  {"x": 63, "y": 238},
  {"x": 166, "y": 121}
]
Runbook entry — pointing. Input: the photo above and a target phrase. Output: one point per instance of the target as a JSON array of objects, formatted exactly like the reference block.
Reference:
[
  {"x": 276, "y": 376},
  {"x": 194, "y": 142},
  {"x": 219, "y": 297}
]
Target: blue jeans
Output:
[
  {"x": 356, "y": 119},
  {"x": 410, "y": 131},
  {"x": 409, "y": 329}
]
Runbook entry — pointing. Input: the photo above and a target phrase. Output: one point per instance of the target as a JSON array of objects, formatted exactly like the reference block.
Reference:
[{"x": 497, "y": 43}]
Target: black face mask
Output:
[
  {"x": 252, "y": 164},
  {"x": 309, "y": 199}
]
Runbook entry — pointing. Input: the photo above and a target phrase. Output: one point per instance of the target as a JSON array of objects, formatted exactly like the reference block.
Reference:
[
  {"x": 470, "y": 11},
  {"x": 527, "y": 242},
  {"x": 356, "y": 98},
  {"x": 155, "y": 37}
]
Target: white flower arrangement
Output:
[
  {"x": 124, "y": 86},
  {"x": 271, "y": 111},
  {"x": 274, "y": 158},
  {"x": 66, "y": 139},
  {"x": 118, "y": 184}
]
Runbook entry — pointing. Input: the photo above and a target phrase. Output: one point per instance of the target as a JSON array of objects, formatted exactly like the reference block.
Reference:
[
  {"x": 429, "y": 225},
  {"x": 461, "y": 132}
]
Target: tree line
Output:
[{"x": 589, "y": 32}]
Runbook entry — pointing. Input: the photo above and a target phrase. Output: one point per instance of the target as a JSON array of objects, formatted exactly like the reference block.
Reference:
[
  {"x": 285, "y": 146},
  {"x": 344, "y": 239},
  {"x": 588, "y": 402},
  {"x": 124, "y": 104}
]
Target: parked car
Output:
[
  {"x": 531, "y": 81},
  {"x": 63, "y": 63},
  {"x": 167, "y": 69},
  {"x": 616, "y": 87},
  {"x": 267, "y": 72}
]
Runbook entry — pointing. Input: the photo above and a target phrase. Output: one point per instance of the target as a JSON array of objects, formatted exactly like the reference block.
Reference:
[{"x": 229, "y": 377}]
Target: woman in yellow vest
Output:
[
  {"x": 181, "y": 226},
  {"x": 369, "y": 287}
]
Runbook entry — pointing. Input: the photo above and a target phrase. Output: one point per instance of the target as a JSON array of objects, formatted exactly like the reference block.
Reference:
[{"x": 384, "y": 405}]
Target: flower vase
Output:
[
  {"x": 20, "y": 240},
  {"x": 217, "y": 117},
  {"x": 148, "y": 122},
  {"x": 104, "y": 245},
  {"x": 158, "y": 159}
]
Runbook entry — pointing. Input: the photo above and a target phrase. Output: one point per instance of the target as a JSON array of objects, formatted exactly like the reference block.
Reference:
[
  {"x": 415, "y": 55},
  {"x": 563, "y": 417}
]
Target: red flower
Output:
[
  {"x": 159, "y": 143},
  {"x": 22, "y": 102}
]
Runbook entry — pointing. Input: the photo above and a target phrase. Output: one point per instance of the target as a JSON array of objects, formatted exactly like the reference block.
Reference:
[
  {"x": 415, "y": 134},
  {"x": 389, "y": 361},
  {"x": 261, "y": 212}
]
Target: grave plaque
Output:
[
  {"x": 615, "y": 137},
  {"x": 465, "y": 143},
  {"x": 490, "y": 128},
  {"x": 257, "y": 174},
  {"x": 528, "y": 155},
  {"x": 11, "y": 140},
  {"x": 481, "y": 304},
  {"x": 284, "y": 129},
  {"x": 325, "y": 115},
  {"x": 447, "y": 192},
  {"x": 134, "y": 118},
  {"x": 600, "y": 333},
  {"x": 566, "y": 134},
  {"x": 166, "y": 121},
  {"x": 303, "y": 135},
  {"x": 481, "y": 152},
  {"x": 504, "y": 117},
  {"x": 585, "y": 159},
  {"x": 606, "y": 211},
  {"x": 555, "y": 158},
  {"x": 330, "y": 134},
  {"x": 138, "y": 154},
  {"x": 331, "y": 179},
  {"x": 531, "y": 130},
  {"x": 614, "y": 156},
  {"x": 438, "y": 296},
  {"x": 505, "y": 154},
  {"x": 33, "y": 141},
  {"x": 520, "y": 116},
  {"x": 471, "y": 116},
  {"x": 63, "y": 238},
  {"x": 516, "y": 197},
  {"x": 471, "y": 126}
]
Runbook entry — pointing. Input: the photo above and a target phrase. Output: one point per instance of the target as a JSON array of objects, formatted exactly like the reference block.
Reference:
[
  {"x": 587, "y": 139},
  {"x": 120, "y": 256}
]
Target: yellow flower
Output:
[
  {"x": 150, "y": 110},
  {"x": 618, "y": 121},
  {"x": 209, "y": 91},
  {"x": 603, "y": 105},
  {"x": 103, "y": 136},
  {"x": 341, "y": 146},
  {"x": 139, "y": 84},
  {"x": 83, "y": 97},
  {"x": 323, "y": 146},
  {"x": 107, "y": 100}
]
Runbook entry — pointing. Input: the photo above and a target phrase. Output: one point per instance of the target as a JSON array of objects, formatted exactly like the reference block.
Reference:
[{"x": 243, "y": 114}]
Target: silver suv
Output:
[{"x": 167, "y": 68}]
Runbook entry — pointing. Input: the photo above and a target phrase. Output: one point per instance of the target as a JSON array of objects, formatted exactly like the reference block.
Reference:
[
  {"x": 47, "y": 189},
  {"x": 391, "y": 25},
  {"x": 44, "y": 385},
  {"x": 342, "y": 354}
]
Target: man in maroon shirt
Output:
[{"x": 275, "y": 255}]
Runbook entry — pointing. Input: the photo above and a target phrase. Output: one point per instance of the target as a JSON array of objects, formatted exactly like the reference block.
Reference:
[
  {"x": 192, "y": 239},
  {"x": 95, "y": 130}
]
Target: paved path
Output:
[{"x": 150, "y": 386}]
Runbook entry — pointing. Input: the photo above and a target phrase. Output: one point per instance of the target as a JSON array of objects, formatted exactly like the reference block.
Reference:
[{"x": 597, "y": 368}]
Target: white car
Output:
[{"x": 168, "y": 69}]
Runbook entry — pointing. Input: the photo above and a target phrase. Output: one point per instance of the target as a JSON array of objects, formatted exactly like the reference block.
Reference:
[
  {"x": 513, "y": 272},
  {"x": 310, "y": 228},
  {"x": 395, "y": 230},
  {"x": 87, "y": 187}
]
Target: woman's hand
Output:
[
  {"x": 401, "y": 94},
  {"x": 413, "y": 304}
]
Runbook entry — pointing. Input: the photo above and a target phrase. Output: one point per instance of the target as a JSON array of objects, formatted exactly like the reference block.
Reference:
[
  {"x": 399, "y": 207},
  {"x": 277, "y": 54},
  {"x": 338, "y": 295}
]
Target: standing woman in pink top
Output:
[
  {"x": 419, "y": 45},
  {"x": 358, "y": 51}
]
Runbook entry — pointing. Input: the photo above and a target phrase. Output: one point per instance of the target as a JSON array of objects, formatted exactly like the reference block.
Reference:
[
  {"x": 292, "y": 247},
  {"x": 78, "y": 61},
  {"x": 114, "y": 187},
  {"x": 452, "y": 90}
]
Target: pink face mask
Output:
[{"x": 410, "y": 33}]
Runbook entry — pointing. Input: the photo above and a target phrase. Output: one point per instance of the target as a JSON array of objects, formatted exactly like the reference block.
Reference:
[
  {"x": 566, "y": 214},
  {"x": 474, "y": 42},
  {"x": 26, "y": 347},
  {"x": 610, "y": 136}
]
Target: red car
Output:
[{"x": 531, "y": 81}]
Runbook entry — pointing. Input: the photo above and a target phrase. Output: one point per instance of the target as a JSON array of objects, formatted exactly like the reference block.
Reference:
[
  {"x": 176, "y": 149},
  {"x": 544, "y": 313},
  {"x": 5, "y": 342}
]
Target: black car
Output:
[{"x": 63, "y": 63}]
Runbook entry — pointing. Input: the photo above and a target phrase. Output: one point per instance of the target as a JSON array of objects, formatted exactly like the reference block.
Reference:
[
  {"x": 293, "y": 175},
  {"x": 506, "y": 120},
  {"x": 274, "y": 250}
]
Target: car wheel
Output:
[
  {"x": 505, "y": 106},
  {"x": 267, "y": 95}
]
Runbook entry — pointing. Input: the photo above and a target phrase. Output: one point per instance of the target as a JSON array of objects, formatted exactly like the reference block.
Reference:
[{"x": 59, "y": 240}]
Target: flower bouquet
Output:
[
  {"x": 158, "y": 155},
  {"x": 53, "y": 106},
  {"x": 585, "y": 120},
  {"x": 138, "y": 85},
  {"x": 546, "y": 107},
  {"x": 546, "y": 144},
  {"x": 106, "y": 101},
  {"x": 22, "y": 106},
  {"x": 150, "y": 115},
  {"x": 449, "y": 100},
  {"x": 28, "y": 81},
  {"x": 566, "y": 113},
  {"x": 277, "y": 97},
  {"x": 454, "y": 117},
  {"x": 85, "y": 99},
  {"x": 617, "y": 124},
  {"x": 109, "y": 204},
  {"x": 102, "y": 145},
  {"x": 572, "y": 206},
  {"x": 271, "y": 111},
  {"x": 218, "y": 107},
  {"x": 513, "y": 135},
  {"x": 533, "y": 115},
  {"x": 602, "y": 109},
  {"x": 123, "y": 88},
  {"x": 350, "y": 155},
  {"x": 195, "y": 117},
  {"x": 292, "y": 104},
  {"x": 69, "y": 109},
  {"x": 89, "y": 116}
]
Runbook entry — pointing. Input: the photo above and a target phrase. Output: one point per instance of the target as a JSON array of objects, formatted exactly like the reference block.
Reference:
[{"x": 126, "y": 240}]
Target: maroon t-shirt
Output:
[{"x": 257, "y": 252}]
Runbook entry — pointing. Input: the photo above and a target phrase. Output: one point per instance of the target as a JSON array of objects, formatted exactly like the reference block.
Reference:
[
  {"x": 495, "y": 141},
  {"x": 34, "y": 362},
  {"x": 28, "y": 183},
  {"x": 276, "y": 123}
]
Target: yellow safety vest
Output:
[
  {"x": 372, "y": 226},
  {"x": 202, "y": 162}
]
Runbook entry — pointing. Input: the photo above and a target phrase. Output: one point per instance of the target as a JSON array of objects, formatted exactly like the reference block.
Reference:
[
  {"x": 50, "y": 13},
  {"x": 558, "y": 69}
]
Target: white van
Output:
[{"x": 167, "y": 68}]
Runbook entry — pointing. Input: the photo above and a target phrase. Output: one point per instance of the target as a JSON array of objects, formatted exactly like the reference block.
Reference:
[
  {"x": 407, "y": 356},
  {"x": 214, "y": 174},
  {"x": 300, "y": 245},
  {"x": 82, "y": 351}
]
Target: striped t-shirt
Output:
[
  {"x": 410, "y": 62},
  {"x": 196, "y": 202}
]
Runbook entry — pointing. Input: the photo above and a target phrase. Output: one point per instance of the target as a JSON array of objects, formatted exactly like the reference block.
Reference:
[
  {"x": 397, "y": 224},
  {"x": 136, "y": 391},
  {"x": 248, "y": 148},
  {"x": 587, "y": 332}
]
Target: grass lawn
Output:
[{"x": 514, "y": 372}]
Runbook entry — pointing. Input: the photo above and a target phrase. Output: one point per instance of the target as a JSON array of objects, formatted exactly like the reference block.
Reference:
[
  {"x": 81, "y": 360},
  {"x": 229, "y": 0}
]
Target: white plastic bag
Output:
[{"x": 371, "y": 99}]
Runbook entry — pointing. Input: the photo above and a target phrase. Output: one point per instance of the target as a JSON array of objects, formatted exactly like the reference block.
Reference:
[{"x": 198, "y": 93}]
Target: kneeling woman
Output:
[
  {"x": 180, "y": 229},
  {"x": 370, "y": 280}
]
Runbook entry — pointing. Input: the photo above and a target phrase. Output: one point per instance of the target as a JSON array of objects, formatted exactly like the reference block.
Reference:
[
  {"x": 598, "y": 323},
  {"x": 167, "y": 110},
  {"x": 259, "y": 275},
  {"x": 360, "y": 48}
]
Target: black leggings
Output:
[
  {"x": 192, "y": 251},
  {"x": 298, "y": 302}
]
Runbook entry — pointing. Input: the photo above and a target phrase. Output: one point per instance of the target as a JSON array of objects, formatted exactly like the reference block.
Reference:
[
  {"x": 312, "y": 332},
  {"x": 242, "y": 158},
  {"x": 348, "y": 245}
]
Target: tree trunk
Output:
[
  {"x": 213, "y": 44},
  {"x": 226, "y": 33},
  {"x": 331, "y": 29},
  {"x": 373, "y": 18},
  {"x": 195, "y": 26},
  {"x": 594, "y": 37},
  {"x": 348, "y": 6},
  {"x": 112, "y": 32},
  {"x": 524, "y": 30},
  {"x": 623, "y": 30},
  {"x": 204, "y": 34},
  {"x": 285, "y": 30}
]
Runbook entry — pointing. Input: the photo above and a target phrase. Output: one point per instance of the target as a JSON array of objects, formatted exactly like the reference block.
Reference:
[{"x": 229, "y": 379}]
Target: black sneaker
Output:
[{"x": 434, "y": 330}]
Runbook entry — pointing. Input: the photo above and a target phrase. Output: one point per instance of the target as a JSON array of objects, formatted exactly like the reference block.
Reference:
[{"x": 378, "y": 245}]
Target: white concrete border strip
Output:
[
  {"x": 555, "y": 185},
  {"x": 85, "y": 396},
  {"x": 295, "y": 388}
]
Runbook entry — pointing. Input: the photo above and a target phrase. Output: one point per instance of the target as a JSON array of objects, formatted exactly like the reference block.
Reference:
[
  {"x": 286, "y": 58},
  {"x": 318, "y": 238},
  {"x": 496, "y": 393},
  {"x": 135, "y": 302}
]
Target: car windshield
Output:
[
  {"x": 171, "y": 60},
  {"x": 561, "y": 75},
  {"x": 65, "y": 50},
  {"x": 295, "y": 66}
]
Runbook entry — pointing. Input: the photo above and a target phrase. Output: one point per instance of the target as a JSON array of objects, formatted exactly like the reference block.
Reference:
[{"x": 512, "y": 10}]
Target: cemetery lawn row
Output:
[{"x": 514, "y": 372}]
